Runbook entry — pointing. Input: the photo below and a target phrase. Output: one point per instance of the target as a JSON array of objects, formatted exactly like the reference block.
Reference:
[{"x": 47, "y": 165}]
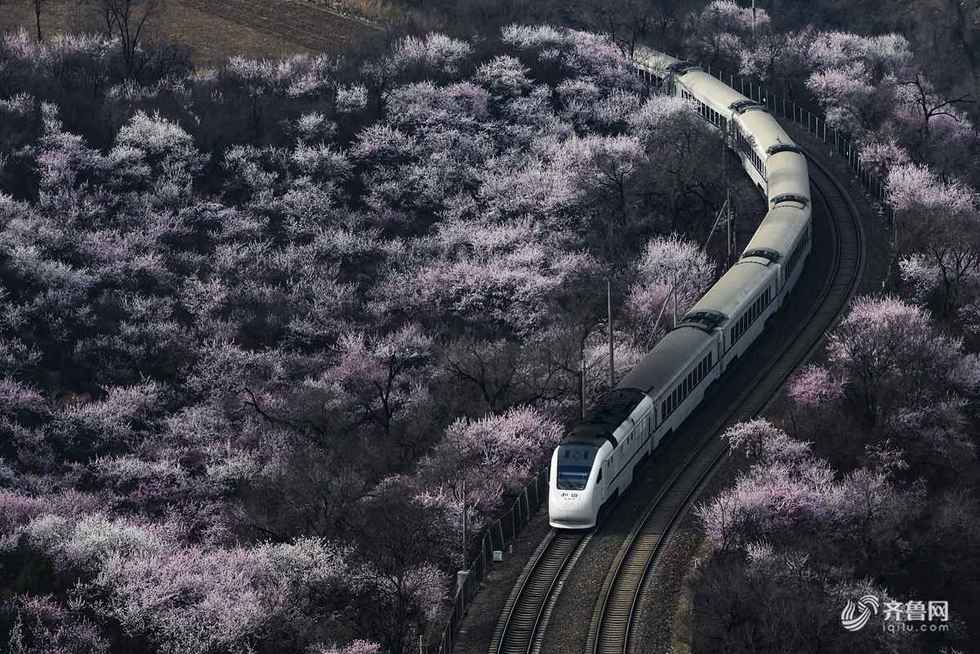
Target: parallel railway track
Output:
[
  {"x": 619, "y": 597},
  {"x": 523, "y": 623}
]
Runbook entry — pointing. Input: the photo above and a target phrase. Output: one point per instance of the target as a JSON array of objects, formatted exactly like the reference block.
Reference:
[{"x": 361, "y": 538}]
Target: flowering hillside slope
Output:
[{"x": 267, "y": 329}]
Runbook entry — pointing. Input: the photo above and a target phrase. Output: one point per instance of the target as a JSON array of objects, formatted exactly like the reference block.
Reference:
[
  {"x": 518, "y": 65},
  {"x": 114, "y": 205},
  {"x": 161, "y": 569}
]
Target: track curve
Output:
[
  {"x": 613, "y": 618},
  {"x": 524, "y": 620}
]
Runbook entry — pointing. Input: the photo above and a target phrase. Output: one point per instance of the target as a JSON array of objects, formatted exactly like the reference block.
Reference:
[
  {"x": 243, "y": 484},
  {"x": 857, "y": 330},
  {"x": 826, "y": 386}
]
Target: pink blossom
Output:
[
  {"x": 814, "y": 386},
  {"x": 434, "y": 51},
  {"x": 915, "y": 187},
  {"x": 668, "y": 263},
  {"x": 504, "y": 76}
]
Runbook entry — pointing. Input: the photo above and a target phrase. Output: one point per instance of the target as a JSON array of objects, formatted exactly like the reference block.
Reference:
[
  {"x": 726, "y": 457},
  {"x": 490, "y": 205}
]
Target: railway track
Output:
[
  {"x": 525, "y": 617},
  {"x": 611, "y": 627}
]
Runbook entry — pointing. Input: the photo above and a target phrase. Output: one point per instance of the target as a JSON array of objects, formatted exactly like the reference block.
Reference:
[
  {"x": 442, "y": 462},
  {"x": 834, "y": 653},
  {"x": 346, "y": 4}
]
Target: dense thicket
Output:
[
  {"x": 262, "y": 325},
  {"x": 874, "y": 492}
]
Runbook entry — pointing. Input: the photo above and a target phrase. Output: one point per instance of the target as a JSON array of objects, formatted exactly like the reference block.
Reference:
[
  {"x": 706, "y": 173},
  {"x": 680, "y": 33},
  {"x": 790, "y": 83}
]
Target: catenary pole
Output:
[{"x": 612, "y": 362}]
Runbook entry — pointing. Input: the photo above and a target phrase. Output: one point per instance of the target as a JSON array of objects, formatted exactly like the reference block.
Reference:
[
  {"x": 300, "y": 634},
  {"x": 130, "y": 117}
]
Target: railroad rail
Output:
[
  {"x": 616, "y": 608},
  {"x": 525, "y": 618}
]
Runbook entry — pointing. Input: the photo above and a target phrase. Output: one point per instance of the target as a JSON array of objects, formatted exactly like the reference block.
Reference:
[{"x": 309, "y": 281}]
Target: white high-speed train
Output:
[{"x": 595, "y": 460}]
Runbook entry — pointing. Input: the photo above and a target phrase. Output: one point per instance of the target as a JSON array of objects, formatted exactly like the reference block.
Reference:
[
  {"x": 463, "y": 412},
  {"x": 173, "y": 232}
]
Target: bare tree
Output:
[
  {"x": 128, "y": 19},
  {"x": 38, "y": 6},
  {"x": 930, "y": 103}
]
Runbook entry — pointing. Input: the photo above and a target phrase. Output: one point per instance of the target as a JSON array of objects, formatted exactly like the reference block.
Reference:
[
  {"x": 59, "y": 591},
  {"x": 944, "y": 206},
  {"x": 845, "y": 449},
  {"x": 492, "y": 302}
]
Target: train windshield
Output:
[{"x": 574, "y": 463}]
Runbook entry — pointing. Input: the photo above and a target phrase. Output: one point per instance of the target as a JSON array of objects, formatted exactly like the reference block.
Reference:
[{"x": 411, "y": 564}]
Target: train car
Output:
[
  {"x": 595, "y": 462},
  {"x": 784, "y": 238},
  {"x": 743, "y": 300}
]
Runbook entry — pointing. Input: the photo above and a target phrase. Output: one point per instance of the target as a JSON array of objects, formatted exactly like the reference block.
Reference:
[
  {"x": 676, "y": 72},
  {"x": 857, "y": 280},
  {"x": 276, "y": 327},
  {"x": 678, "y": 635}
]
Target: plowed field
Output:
[{"x": 214, "y": 29}]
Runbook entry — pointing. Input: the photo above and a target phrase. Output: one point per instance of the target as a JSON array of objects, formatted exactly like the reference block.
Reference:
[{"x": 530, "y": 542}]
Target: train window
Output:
[{"x": 574, "y": 464}]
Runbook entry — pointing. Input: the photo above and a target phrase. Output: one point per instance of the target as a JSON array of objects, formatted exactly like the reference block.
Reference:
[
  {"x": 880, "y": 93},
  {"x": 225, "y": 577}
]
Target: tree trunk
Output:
[{"x": 37, "y": 18}]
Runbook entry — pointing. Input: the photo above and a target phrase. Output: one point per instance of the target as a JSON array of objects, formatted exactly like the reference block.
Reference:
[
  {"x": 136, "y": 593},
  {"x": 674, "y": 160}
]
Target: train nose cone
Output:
[{"x": 571, "y": 510}]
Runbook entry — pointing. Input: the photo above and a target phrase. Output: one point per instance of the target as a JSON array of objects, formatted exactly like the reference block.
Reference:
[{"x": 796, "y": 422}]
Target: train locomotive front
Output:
[{"x": 573, "y": 485}]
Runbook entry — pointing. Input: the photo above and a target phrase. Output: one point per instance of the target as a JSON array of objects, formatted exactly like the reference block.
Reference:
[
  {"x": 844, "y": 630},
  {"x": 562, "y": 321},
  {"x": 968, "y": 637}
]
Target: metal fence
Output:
[
  {"x": 839, "y": 142},
  {"x": 496, "y": 536}
]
